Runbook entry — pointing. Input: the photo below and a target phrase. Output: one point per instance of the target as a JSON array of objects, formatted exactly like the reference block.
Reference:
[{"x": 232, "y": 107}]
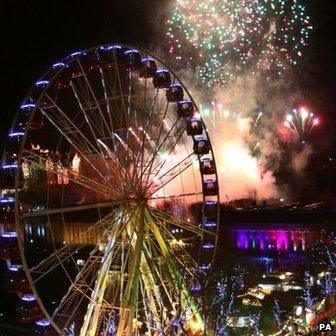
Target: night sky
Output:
[{"x": 37, "y": 33}]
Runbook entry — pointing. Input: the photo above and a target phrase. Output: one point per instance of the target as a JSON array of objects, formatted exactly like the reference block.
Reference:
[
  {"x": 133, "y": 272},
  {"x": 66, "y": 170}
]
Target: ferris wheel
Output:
[{"x": 112, "y": 178}]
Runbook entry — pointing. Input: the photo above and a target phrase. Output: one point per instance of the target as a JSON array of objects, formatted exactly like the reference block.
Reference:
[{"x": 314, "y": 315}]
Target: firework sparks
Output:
[
  {"x": 233, "y": 139},
  {"x": 300, "y": 122},
  {"x": 216, "y": 113},
  {"x": 222, "y": 37}
]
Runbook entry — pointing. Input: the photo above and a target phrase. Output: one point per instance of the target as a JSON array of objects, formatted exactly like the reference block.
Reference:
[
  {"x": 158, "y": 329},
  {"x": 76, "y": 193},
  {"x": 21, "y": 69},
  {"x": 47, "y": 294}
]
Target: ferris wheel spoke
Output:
[
  {"x": 75, "y": 137},
  {"x": 186, "y": 225},
  {"x": 89, "y": 113},
  {"x": 110, "y": 220},
  {"x": 151, "y": 252},
  {"x": 78, "y": 140},
  {"x": 169, "y": 175},
  {"x": 171, "y": 132},
  {"x": 139, "y": 160},
  {"x": 162, "y": 163},
  {"x": 99, "y": 146},
  {"x": 126, "y": 146},
  {"x": 151, "y": 296},
  {"x": 175, "y": 196},
  {"x": 83, "y": 284},
  {"x": 90, "y": 323},
  {"x": 67, "y": 251},
  {"x": 108, "y": 106},
  {"x": 130, "y": 114},
  {"x": 51, "y": 211},
  {"x": 158, "y": 145},
  {"x": 104, "y": 123},
  {"x": 126, "y": 125},
  {"x": 157, "y": 136},
  {"x": 80, "y": 290},
  {"x": 99, "y": 139},
  {"x": 178, "y": 247},
  {"x": 115, "y": 90},
  {"x": 85, "y": 288},
  {"x": 67, "y": 126},
  {"x": 55, "y": 169},
  {"x": 90, "y": 106},
  {"x": 174, "y": 270},
  {"x": 122, "y": 96}
]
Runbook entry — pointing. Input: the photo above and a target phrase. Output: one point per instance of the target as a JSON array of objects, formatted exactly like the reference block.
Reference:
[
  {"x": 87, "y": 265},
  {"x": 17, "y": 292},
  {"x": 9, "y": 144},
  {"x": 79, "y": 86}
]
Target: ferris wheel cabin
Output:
[
  {"x": 16, "y": 280},
  {"x": 9, "y": 249},
  {"x": 28, "y": 308}
]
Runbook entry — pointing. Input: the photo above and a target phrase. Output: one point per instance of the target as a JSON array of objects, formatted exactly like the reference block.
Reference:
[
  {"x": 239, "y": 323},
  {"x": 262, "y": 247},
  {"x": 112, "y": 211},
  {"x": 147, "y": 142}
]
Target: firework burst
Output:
[
  {"x": 300, "y": 122},
  {"x": 224, "y": 37}
]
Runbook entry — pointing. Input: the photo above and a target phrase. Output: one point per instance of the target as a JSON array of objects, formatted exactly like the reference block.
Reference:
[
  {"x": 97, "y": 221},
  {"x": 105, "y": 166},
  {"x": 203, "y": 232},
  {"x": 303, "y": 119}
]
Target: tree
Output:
[
  {"x": 109, "y": 324},
  {"x": 238, "y": 278},
  {"x": 307, "y": 297},
  {"x": 328, "y": 285},
  {"x": 277, "y": 313},
  {"x": 326, "y": 252},
  {"x": 222, "y": 303},
  {"x": 219, "y": 300},
  {"x": 255, "y": 318},
  {"x": 69, "y": 331}
]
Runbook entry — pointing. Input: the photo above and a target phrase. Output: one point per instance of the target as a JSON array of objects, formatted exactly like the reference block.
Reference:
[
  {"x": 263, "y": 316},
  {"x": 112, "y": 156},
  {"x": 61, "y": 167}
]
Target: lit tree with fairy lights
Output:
[
  {"x": 238, "y": 278},
  {"x": 219, "y": 300},
  {"x": 222, "y": 304},
  {"x": 277, "y": 313},
  {"x": 307, "y": 297},
  {"x": 325, "y": 252},
  {"x": 330, "y": 253},
  {"x": 328, "y": 288},
  {"x": 256, "y": 324},
  {"x": 69, "y": 331},
  {"x": 110, "y": 325}
]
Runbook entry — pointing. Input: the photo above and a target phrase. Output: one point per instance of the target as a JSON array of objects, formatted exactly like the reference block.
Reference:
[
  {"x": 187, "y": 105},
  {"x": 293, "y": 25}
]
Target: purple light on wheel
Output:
[
  {"x": 77, "y": 53},
  {"x": 176, "y": 323},
  {"x": 9, "y": 235},
  {"x": 162, "y": 71},
  {"x": 113, "y": 47},
  {"x": 208, "y": 246},
  {"x": 15, "y": 134},
  {"x": 196, "y": 287},
  {"x": 58, "y": 65},
  {"x": 42, "y": 83},
  {"x": 211, "y": 203},
  {"x": 29, "y": 105},
  {"x": 210, "y": 224},
  {"x": 43, "y": 323},
  {"x": 15, "y": 268},
  {"x": 148, "y": 59},
  {"x": 205, "y": 267},
  {"x": 7, "y": 200},
  {"x": 28, "y": 297},
  {"x": 10, "y": 166},
  {"x": 131, "y": 51},
  {"x": 185, "y": 101}
]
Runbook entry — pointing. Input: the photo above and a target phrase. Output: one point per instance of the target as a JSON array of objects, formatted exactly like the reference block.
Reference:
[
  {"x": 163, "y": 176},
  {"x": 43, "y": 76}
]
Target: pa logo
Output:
[{"x": 324, "y": 327}]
